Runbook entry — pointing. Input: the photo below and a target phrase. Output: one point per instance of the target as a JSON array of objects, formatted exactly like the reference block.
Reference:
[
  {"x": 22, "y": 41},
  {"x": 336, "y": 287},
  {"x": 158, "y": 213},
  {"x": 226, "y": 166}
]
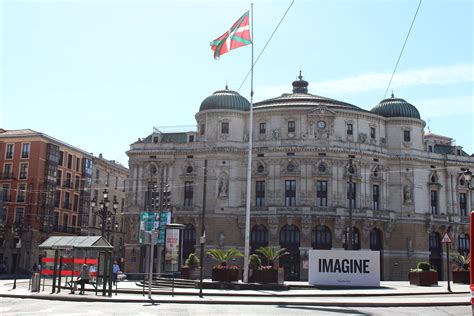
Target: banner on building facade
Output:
[
  {"x": 344, "y": 268},
  {"x": 154, "y": 221}
]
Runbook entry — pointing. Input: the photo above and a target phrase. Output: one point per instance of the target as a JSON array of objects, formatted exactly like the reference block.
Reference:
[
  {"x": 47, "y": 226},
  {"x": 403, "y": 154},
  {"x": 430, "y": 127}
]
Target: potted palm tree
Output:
[
  {"x": 423, "y": 275},
  {"x": 461, "y": 269},
  {"x": 269, "y": 273},
  {"x": 254, "y": 263},
  {"x": 223, "y": 272}
]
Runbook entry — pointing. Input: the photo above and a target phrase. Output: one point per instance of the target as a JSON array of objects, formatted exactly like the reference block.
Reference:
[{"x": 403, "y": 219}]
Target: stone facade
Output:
[{"x": 306, "y": 151}]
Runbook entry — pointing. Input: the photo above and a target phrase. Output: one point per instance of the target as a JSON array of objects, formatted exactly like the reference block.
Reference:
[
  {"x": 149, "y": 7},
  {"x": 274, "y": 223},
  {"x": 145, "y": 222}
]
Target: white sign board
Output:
[{"x": 344, "y": 268}]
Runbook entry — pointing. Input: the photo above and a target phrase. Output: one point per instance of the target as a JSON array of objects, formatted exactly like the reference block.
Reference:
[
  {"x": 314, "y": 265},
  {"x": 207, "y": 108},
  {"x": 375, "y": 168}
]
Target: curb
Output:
[{"x": 240, "y": 302}]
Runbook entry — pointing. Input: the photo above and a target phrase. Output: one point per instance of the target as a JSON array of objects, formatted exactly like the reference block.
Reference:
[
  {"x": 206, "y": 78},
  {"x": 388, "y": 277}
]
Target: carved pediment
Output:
[{"x": 321, "y": 110}]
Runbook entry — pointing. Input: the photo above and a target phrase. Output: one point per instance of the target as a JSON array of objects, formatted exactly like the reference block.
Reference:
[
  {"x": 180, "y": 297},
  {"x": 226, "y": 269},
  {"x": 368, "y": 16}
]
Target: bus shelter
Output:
[{"x": 65, "y": 256}]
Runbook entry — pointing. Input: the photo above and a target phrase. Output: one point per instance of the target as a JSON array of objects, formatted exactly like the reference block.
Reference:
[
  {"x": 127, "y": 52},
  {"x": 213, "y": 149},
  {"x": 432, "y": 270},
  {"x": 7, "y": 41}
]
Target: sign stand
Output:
[{"x": 447, "y": 240}]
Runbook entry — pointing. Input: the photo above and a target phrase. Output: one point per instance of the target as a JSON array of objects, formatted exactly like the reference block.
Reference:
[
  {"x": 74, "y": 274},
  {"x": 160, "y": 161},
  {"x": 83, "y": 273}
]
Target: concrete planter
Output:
[
  {"x": 463, "y": 277},
  {"x": 423, "y": 278},
  {"x": 225, "y": 275},
  {"x": 265, "y": 276}
]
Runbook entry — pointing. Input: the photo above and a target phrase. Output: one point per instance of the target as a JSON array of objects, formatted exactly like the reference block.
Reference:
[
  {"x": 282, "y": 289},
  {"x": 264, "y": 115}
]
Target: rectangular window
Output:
[
  {"x": 351, "y": 188},
  {"x": 61, "y": 158},
  {"x": 7, "y": 171},
  {"x": 67, "y": 201},
  {"x": 77, "y": 182},
  {"x": 74, "y": 221},
  {"x": 462, "y": 204},
  {"x": 97, "y": 176},
  {"x": 78, "y": 164},
  {"x": 372, "y": 132},
  {"x": 202, "y": 129},
  {"x": 23, "y": 171},
  {"x": 19, "y": 214},
  {"x": 25, "y": 150},
  {"x": 191, "y": 138},
  {"x": 20, "y": 196},
  {"x": 350, "y": 129},
  {"x": 107, "y": 179},
  {"x": 124, "y": 183},
  {"x": 260, "y": 193},
  {"x": 375, "y": 197},
  {"x": 290, "y": 192},
  {"x": 69, "y": 161},
  {"x": 122, "y": 205},
  {"x": 430, "y": 148},
  {"x": 65, "y": 220},
  {"x": 59, "y": 177},
  {"x": 322, "y": 193},
  {"x": 75, "y": 204},
  {"x": 225, "y": 128},
  {"x": 56, "y": 220},
  {"x": 5, "y": 192},
  {"x": 116, "y": 183},
  {"x": 9, "y": 152},
  {"x": 263, "y": 128},
  {"x": 434, "y": 202},
  {"x": 68, "y": 183},
  {"x": 406, "y": 136},
  {"x": 291, "y": 126},
  {"x": 57, "y": 198},
  {"x": 188, "y": 193}
]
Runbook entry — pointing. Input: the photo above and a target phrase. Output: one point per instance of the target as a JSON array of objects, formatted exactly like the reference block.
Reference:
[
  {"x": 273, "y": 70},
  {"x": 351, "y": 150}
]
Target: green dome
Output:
[
  {"x": 396, "y": 107},
  {"x": 225, "y": 100}
]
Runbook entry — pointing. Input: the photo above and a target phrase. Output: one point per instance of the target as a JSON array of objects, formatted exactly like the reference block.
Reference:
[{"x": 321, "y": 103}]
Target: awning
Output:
[{"x": 76, "y": 242}]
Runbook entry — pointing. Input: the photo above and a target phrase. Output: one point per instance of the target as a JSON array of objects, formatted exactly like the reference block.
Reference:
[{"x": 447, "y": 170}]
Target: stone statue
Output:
[
  {"x": 407, "y": 194},
  {"x": 276, "y": 133},
  {"x": 222, "y": 187},
  {"x": 221, "y": 239}
]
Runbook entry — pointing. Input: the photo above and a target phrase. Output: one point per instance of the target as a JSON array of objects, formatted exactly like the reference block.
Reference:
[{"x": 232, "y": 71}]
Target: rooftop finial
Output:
[
  {"x": 226, "y": 87},
  {"x": 300, "y": 76},
  {"x": 392, "y": 94}
]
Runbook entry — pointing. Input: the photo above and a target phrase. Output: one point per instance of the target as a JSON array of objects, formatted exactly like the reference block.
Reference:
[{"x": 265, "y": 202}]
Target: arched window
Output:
[
  {"x": 463, "y": 244},
  {"x": 355, "y": 238},
  {"x": 189, "y": 240},
  {"x": 375, "y": 239},
  {"x": 260, "y": 169},
  {"x": 290, "y": 236},
  {"x": 434, "y": 242},
  {"x": 322, "y": 238},
  {"x": 258, "y": 237}
]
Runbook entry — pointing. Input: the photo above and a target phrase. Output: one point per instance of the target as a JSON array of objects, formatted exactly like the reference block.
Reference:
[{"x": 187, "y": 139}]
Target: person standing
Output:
[{"x": 115, "y": 272}]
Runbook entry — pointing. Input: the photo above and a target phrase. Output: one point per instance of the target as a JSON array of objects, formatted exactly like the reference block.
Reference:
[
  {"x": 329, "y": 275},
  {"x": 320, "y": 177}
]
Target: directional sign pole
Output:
[{"x": 447, "y": 240}]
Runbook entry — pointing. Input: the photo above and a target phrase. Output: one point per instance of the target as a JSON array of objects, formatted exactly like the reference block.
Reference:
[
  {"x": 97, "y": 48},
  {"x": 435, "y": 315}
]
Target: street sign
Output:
[{"x": 446, "y": 239}]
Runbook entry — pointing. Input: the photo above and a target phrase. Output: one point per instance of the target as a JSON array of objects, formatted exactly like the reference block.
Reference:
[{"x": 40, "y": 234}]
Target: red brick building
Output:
[{"x": 44, "y": 190}]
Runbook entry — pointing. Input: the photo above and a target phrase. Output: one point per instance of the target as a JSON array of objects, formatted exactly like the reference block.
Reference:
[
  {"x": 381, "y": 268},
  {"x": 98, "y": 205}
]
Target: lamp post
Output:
[
  {"x": 17, "y": 229},
  {"x": 103, "y": 211},
  {"x": 468, "y": 178},
  {"x": 350, "y": 240}
]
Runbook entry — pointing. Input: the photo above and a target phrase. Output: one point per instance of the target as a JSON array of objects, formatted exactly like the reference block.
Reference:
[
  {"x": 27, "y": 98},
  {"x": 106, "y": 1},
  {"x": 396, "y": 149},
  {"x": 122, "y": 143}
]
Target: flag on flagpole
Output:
[{"x": 237, "y": 36}]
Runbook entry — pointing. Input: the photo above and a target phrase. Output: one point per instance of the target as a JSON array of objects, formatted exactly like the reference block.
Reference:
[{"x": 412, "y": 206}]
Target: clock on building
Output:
[{"x": 322, "y": 124}]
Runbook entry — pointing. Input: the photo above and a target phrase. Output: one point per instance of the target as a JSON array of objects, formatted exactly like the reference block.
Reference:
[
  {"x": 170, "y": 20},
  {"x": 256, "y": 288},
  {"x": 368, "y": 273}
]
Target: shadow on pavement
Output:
[{"x": 326, "y": 309}]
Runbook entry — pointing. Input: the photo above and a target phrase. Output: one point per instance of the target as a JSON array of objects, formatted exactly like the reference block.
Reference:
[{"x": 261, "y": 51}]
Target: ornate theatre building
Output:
[{"x": 314, "y": 158}]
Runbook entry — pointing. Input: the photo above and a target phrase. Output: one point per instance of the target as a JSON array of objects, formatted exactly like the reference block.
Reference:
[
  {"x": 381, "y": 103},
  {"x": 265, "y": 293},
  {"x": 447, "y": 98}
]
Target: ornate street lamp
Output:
[
  {"x": 350, "y": 238},
  {"x": 103, "y": 211},
  {"x": 17, "y": 229},
  {"x": 468, "y": 178}
]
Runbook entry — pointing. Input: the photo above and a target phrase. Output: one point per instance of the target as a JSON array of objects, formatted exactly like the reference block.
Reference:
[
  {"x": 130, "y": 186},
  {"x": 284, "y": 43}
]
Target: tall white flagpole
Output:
[{"x": 249, "y": 168}]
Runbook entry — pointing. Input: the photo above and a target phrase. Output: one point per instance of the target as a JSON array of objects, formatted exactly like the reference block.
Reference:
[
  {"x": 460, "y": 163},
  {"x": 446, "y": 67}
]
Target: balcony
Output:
[
  {"x": 7, "y": 175},
  {"x": 23, "y": 175},
  {"x": 25, "y": 154},
  {"x": 6, "y": 198},
  {"x": 68, "y": 184}
]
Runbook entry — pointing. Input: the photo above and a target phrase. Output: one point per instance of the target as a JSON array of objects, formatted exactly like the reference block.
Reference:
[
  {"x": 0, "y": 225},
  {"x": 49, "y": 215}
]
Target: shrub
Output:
[
  {"x": 462, "y": 262},
  {"x": 254, "y": 262},
  {"x": 192, "y": 261},
  {"x": 424, "y": 266}
]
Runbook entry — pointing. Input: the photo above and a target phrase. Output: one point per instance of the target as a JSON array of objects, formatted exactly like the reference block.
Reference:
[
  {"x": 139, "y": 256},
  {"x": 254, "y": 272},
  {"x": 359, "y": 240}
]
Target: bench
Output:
[{"x": 71, "y": 283}]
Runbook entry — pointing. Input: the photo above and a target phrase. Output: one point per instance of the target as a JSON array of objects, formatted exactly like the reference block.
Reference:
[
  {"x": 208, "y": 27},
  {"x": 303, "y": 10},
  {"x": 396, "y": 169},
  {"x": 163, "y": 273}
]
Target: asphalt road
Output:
[{"x": 9, "y": 306}]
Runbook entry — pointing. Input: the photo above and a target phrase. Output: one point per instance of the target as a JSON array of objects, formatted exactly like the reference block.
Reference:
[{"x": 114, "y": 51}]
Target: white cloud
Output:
[{"x": 436, "y": 75}]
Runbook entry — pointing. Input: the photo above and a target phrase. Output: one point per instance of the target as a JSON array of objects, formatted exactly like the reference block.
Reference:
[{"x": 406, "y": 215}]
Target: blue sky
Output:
[{"x": 100, "y": 74}]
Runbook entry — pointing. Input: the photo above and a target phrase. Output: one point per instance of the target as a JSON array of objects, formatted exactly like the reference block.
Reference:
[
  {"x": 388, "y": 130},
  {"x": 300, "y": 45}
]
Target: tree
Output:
[
  {"x": 224, "y": 256},
  {"x": 271, "y": 254}
]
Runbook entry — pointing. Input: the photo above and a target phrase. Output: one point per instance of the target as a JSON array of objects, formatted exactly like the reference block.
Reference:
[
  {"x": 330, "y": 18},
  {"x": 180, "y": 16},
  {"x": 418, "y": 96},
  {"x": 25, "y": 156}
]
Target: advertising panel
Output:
[
  {"x": 172, "y": 249},
  {"x": 344, "y": 268}
]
